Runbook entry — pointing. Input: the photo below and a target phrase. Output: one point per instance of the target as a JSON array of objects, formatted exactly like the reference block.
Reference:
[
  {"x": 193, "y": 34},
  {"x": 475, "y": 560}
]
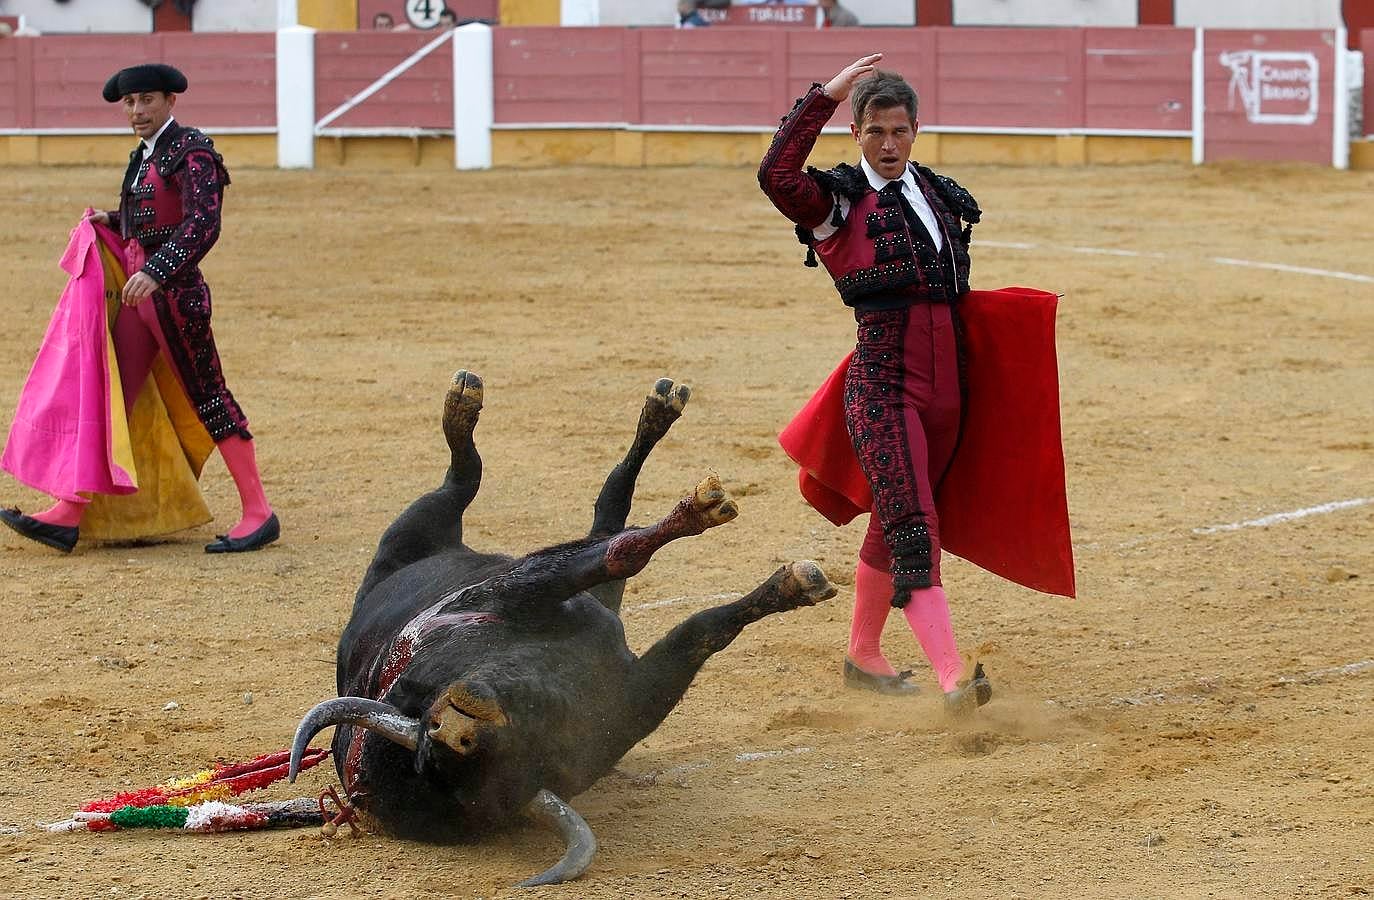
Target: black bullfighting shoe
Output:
[
  {"x": 267, "y": 532},
  {"x": 882, "y": 684},
  {"x": 59, "y": 537},
  {"x": 969, "y": 695}
]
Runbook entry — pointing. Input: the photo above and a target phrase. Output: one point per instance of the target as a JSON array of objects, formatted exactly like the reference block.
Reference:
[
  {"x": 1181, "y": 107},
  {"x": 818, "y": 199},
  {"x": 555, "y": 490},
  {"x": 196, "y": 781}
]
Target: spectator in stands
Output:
[
  {"x": 688, "y": 16},
  {"x": 5, "y": 29},
  {"x": 447, "y": 18},
  {"x": 383, "y": 22},
  {"x": 830, "y": 14},
  {"x": 169, "y": 218}
]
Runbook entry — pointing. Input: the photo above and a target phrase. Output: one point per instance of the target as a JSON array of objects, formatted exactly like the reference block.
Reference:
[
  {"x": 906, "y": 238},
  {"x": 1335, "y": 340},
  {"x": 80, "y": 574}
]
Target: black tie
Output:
[{"x": 917, "y": 227}]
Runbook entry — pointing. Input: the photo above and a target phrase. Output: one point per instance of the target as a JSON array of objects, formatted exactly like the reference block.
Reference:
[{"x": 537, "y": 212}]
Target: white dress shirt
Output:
[
  {"x": 913, "y": 195},
  {"x": 150, "y": 143}
]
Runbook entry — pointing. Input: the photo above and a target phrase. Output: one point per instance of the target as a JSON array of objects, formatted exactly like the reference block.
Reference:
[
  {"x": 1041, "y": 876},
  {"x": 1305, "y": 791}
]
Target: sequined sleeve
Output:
[
  {"x": 201, "y": 181},
  {"x": 796, "y": 193}
]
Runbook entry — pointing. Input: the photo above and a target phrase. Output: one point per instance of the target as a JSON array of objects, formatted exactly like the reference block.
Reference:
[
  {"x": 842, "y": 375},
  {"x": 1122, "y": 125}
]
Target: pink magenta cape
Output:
[
  {"x": 1003, "y": 504},
  {"x": 70, "y": 438}
]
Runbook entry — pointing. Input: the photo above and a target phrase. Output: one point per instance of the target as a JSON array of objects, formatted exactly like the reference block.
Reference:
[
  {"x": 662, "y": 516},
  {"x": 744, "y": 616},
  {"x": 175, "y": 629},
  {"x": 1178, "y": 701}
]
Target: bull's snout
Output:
[
  {"x": 455, "y": 729},
  {"x": 458, "y": 719}
]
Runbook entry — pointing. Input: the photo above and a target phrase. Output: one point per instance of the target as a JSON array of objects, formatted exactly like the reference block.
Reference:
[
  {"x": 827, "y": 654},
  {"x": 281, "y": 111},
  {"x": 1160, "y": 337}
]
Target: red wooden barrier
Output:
[
  {"x": 1009, "y": 78},
  {"x": 1139, "y": 78},
  {"x": 54, "y": 82},
  {"x": 710, "y": 76},
  {"x": 11, "y": 91},
  {"x": 1269, "y": 99},
  {"x": 348, "y": 62},
  {"x": 565, "y": 74},
  {"x": 1268, "y": 95}
]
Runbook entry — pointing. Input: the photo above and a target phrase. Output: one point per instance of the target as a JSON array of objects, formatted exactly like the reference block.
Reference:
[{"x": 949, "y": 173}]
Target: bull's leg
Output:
[
  {"x": 559, "y": 572},
  {"x": 434, "y": 522},
  {"x": 662, "y": 408},
  {"x": 661, "y": 676}
]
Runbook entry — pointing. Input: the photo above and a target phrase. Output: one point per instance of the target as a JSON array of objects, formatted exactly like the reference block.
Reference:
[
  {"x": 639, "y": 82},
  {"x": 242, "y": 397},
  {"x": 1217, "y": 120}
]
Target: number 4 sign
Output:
[{"x": 424, "y": 13}]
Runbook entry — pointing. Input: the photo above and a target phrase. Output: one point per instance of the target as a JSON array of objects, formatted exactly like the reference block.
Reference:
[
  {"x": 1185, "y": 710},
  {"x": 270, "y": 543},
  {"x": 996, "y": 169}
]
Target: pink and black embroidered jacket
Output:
[
  {"x": 171, "y": 202},
  {"x": 878, "y": 257}
]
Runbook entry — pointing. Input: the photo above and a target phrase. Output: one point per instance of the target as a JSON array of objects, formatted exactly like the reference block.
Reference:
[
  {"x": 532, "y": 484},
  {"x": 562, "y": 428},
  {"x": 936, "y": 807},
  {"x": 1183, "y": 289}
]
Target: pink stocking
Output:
[
  {"x": 63, "y": 512},
  {"x": 242, "y": 464},
  {"x": 928, "y": 615},
  {"x": 872, "y": 603}
]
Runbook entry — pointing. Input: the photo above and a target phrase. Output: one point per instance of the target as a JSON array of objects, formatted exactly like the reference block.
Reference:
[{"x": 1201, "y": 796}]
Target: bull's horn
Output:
[
  {"x": 383, "y": 718},
  {"x": 577, "y": 834}
]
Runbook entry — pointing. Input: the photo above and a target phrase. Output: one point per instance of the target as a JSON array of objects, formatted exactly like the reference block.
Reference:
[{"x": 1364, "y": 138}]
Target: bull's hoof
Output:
[
  {"x": 805, "y": 583},
  {"x": 670, "y": 396},
  {"x": 712, "y": 504},
  {"x": 662, "y": 408},
  {"x": 461, "y": 407}
]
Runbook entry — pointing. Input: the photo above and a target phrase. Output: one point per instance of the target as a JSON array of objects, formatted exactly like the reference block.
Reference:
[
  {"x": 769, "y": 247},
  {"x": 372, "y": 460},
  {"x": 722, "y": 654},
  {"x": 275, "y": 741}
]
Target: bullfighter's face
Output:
[
  {"x": 885, "y": 136},
  {"x": 148, "y": 111}
]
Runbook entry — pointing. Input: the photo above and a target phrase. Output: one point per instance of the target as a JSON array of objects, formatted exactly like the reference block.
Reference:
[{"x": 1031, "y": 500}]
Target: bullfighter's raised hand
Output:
[{"x": 838, "y": 88}]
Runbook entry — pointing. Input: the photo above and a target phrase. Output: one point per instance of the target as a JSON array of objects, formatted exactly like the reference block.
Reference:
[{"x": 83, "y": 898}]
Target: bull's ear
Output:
[{"x": 547, "y": 809}]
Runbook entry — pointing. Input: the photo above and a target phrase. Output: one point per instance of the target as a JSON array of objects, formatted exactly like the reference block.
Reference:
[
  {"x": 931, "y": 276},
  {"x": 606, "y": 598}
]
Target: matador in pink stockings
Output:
[
  {"x": 894, "y": 237},
  {"x": 168, "y": 219}
]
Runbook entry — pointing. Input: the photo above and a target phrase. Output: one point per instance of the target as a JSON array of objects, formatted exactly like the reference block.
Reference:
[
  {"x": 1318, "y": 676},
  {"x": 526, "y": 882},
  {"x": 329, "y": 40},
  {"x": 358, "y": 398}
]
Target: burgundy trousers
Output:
[
  {"x": 902, "y": 408},
  {"x": 177, "y": 317}
]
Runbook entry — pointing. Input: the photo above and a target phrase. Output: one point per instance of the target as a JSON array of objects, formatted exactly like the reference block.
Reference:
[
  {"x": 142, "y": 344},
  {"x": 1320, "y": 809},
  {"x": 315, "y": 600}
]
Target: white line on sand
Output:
[
  {"x": 1286, "y": 516},
  {"x": 1318, "y": 674},
  {"x": 1110, "y": 251},
  {"x": 1296, "y": 270},
  {"x": 1220, "y": 260}
]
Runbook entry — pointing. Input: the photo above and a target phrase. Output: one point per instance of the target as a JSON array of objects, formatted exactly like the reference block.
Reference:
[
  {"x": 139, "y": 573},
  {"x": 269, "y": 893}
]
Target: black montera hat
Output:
[{"x": 149, "y": 77}]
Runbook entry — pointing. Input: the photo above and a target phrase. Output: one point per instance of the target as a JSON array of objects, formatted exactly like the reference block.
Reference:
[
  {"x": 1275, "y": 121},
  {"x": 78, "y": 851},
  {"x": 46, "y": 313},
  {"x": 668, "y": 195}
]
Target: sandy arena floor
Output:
[{"x": 1197, "y": 723}]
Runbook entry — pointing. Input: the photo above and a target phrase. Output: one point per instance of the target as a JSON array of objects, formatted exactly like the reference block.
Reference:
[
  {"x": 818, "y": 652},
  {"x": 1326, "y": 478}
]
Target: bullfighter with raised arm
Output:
[{"x": 881, "y": 436}]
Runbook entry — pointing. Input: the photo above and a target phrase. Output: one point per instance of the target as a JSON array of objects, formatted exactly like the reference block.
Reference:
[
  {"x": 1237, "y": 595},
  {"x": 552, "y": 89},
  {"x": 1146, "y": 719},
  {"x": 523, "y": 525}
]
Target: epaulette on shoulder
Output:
[
  {"x": 958, "y": 198},
  {"x": 845, "y": 180},
  {"x": 189, "y": 141}
]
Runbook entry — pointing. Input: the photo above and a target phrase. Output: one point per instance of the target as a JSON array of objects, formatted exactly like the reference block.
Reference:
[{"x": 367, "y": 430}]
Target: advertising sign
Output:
[{"x": 1268, "y": 95}]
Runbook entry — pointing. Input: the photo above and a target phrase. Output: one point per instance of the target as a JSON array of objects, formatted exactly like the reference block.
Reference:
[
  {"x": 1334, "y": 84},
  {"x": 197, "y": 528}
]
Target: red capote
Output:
[{"x": 1002, "y": 505}]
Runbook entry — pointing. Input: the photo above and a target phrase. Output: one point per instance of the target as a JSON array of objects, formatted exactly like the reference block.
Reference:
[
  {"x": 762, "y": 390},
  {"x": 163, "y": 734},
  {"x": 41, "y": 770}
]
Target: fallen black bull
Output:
[{"x": 474, "y": 687}]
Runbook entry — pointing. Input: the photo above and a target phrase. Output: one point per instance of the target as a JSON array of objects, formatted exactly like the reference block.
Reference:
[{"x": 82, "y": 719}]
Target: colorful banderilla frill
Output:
[{"x": 196, "y": 803}]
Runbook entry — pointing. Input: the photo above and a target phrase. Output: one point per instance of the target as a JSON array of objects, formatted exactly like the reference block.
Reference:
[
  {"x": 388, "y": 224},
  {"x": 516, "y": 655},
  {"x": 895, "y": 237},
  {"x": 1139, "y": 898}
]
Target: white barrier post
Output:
[
  {"x": 296, "y": 97},
  {"x": 473, "y": 102},
  {"x": 1199, "y": 96},
  {"x": 1340, "y": 111}
]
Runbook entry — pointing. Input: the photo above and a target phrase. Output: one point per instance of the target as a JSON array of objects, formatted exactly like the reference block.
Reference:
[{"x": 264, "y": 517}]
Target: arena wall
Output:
[
  {"x": 1046, "y": 13},
  {"x": 234, "y": 15},
  {"x": 616, "y": 96},
  {"x": 106, "y": 16},
  {"x": 1258, "y": 14}
]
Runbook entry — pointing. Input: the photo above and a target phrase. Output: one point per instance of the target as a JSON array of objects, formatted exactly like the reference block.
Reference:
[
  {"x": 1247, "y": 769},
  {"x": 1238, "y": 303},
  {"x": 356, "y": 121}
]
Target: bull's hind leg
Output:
[
  {"x": 559, "y": 572},
  {"x": 662, "y": 408},
  {"x": 662, "y": 675},
  {"x": 434, "y": 522}
]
